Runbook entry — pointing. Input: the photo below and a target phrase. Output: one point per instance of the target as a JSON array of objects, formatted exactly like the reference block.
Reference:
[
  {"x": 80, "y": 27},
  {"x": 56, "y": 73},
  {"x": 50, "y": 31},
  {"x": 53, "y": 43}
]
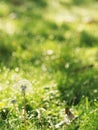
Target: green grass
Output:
[{"x": 52, "y": 45}]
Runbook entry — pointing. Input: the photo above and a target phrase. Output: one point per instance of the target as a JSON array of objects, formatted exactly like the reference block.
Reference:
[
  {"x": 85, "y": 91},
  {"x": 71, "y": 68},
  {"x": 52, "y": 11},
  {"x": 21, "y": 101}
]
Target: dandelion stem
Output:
[{"x": 24, "y": 111}]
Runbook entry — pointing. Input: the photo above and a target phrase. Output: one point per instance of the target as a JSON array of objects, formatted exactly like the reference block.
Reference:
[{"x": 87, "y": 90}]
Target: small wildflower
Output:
[{"x": 22, "y": 86}]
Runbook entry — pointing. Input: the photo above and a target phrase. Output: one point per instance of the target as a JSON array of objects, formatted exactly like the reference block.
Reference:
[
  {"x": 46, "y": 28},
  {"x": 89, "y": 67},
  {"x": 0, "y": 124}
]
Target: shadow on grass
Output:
[
  {"x": 39, "y": 3},
  {"x": 82, "y": 2},
  {"x": 76, "y": 80},
  {"x": 87, "y": 39},
  {"x": 6, "y": 49},
  {"x": 74, "y": 86},
  {"x": 71, "y": 3}
]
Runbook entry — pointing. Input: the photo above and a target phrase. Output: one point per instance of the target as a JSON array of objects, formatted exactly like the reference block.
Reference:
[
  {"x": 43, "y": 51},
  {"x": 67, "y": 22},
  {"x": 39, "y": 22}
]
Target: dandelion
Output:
[
  {"x": 13, "y": 101},
  {"x": 25, "y": 87}
]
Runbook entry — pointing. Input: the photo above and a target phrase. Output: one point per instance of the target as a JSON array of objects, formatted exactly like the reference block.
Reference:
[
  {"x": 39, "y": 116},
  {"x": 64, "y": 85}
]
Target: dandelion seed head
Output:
[{"x": 23, "y": 85}]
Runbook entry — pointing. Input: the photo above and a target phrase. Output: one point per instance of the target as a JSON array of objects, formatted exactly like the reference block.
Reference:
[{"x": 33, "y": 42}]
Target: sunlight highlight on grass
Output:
[
  {"x": 8, "y": 23},
  {"x": 2, "y": 104},
  {"x": 87, "y": 55},
  {"x": 49, "y": 45},
  {"x": 8, "y": 26},
  {"x": 4, "y": 9}
]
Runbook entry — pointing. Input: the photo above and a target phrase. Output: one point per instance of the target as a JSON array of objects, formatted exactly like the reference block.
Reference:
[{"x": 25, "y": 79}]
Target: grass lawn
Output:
[{"x": 48, "y": 64}]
